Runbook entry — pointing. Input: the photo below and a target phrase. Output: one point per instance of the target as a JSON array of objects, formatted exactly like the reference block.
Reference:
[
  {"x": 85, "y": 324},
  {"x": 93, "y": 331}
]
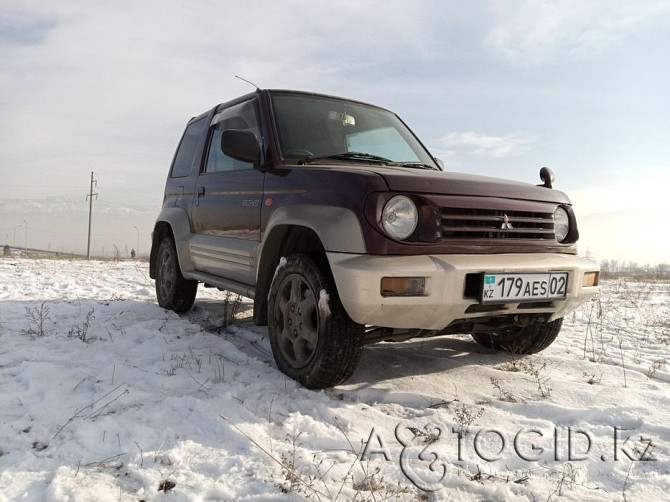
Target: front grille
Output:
[{"x": 476, "y": 223}]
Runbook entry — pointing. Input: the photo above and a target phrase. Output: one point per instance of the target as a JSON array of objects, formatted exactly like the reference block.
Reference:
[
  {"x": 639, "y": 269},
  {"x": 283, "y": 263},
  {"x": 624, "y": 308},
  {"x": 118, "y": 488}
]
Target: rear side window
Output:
[{"x": 183, "y": 160}]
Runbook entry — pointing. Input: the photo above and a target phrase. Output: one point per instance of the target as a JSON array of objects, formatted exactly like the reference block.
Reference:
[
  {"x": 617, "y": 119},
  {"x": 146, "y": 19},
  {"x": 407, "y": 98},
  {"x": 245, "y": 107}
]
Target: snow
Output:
[
  {"x": 324, "y": 304},
  {"x": 282, "y": 263},
  {"x": 106, "y": 396}
]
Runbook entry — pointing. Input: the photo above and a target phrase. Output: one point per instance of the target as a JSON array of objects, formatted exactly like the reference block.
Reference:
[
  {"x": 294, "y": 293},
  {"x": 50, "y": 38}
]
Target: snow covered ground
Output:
[{"x": 106, "y": 396}]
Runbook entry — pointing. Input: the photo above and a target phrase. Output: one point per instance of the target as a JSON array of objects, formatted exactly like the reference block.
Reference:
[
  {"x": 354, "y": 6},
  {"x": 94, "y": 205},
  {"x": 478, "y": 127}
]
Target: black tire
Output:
[
  {"x": 528, "y": 340},
  {"x": 172, "y": 290},
  {"x": 317, "y": 349}
]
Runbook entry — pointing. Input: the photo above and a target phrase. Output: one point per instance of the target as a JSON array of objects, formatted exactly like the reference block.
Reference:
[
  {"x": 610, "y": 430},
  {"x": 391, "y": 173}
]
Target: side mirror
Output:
[
  {"x": 241, "y": 145},
  {"x": 547, "y": 177}
]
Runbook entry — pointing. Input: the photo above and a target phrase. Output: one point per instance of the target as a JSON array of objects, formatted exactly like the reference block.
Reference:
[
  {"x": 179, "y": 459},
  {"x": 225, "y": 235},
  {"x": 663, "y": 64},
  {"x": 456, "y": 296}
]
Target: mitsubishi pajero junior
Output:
[{"x": 344, "y": 230}]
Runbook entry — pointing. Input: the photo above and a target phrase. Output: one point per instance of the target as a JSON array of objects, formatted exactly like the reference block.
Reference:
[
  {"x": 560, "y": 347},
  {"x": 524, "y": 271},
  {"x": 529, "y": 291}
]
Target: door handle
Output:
[{"x": 201, "y": 192}]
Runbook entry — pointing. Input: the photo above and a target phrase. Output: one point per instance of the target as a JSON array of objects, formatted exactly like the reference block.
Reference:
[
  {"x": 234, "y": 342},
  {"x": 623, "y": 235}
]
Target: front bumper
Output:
[{"x": 358, "y": 279}]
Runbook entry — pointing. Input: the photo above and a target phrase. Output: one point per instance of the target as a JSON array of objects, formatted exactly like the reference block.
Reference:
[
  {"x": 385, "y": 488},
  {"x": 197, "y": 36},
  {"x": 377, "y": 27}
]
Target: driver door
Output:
[{"x": 226, "y": 207}]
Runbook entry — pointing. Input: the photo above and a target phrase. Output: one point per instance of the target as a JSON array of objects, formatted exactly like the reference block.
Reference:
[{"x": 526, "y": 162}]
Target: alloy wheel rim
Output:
[
  {"x": 166, "y": 273},
  {"x": 296, "y": 321}
]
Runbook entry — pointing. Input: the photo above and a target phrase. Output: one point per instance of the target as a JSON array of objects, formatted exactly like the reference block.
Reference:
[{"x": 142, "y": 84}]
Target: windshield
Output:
[{"x": 313, "y": 127}]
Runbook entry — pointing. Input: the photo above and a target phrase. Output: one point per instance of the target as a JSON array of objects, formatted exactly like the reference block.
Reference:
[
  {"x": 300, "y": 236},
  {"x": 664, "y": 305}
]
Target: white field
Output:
[{"x": 106, "y": 396}]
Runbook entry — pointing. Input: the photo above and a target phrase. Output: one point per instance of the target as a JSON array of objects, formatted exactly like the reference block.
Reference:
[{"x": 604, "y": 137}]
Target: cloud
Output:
[
  {"x": 484, "y": 144},
  {"x": 108, "y": 88},
  {"x": 18, "y": 28},
  {"x": 545, "y": 32}
]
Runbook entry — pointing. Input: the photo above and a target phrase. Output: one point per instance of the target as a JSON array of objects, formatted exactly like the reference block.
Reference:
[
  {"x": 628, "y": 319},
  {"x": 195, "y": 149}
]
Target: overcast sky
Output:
[{"x": 494, "y": 88}]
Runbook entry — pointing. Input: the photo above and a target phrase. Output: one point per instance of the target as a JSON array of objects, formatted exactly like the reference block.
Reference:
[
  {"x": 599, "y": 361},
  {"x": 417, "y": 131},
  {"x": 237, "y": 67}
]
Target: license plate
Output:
[{"x": 524, "y": 287}]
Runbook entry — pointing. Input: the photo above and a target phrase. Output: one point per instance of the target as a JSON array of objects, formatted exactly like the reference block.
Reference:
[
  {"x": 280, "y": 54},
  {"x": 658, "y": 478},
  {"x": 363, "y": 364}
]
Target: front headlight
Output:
[
  {"x": 399, "y": 217},
  {"x": 561, "y": 224}
]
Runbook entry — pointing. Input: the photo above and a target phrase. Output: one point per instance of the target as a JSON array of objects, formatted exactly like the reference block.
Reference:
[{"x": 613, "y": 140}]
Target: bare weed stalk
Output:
[
  {"x": 567, "y": 478},
  {"x": 37, "y": 318},
  {"x": 589, "y": 332},
  {"x": 231, "y": 308},
  {"x": 187, "y": 362},
  {"x": 535, "y": 372},
  {"x": 97, "y": 412},
  {"x": 465, "y": 417},
  {"x": 219, "y": 369},
  {"x": 592, "y": 378},
  {"x": 623, "y": 363},
  {"x": 512, "y": 365},
  {"x": 81, "y": 332},
  {"x": 503, "y": 394},
  {"x": 298, "y": 478},
  {"x": 658, "y": 364},
  {"x": 370, "y": 488}
]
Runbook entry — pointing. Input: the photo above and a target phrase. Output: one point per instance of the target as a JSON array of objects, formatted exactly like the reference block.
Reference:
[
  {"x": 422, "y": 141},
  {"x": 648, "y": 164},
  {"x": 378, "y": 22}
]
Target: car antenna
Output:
[{"x": 248, "y": 82}]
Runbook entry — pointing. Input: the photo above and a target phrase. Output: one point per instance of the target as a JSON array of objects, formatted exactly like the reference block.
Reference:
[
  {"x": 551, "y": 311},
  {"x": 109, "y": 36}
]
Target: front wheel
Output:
[
  {"x": 313, "y": 339},
  {"x": 172, "y": 290},
  {"x": 526, "y": 340}
]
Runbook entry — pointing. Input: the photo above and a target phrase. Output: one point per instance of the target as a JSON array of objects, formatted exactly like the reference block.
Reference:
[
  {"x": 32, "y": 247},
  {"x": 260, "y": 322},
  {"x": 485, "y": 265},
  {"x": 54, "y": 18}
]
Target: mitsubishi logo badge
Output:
[{"x": 505, "y": 225}]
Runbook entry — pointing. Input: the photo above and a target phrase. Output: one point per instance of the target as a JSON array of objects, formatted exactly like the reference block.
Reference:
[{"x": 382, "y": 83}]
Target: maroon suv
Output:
[{"x": 333, "y": 216}]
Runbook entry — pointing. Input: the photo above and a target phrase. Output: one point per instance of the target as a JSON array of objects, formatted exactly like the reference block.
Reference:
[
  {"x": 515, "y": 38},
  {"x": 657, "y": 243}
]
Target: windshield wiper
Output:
[
  {"x": 356, "y": 156},
  {"x": 367, "y": 157},
  {"x": 416, "y": 165}
]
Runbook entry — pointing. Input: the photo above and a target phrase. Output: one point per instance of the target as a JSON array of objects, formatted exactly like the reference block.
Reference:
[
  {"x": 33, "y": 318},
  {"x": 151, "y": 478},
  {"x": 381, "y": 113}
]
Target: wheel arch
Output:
[
  {"x": 283, "y": 240},
  {"x": 171, "y": 222},
  {"x": 303, "y": 228}
]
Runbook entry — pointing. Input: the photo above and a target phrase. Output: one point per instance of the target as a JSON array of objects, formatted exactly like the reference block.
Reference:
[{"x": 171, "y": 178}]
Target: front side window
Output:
[
  {"x": 241, "y": 116},
  {"x": 319, "y": 126}
]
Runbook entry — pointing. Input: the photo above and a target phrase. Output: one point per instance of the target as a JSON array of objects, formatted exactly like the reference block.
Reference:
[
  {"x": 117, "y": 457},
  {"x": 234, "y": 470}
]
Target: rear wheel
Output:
[
  {"x": 526, "y": 340},
  {"x": 313, "y": 339},
  {"x": 172, "y": 290}
]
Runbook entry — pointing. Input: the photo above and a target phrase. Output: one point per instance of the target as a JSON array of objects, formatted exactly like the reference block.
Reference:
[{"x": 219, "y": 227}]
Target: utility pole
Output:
[{"x": 90, "y": 213}]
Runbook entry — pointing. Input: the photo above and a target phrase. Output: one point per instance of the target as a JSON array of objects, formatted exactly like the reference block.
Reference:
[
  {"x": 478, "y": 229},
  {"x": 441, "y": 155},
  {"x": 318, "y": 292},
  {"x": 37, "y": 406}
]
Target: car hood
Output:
[{"x": 403, "y": 179}]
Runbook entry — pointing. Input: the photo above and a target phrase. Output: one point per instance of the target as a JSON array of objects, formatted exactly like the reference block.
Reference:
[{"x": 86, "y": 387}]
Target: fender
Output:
[
  {"x": 177, "y": 218},
  {"x": 335, "y": 227},
  {"x": 338, "y": 228}
]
